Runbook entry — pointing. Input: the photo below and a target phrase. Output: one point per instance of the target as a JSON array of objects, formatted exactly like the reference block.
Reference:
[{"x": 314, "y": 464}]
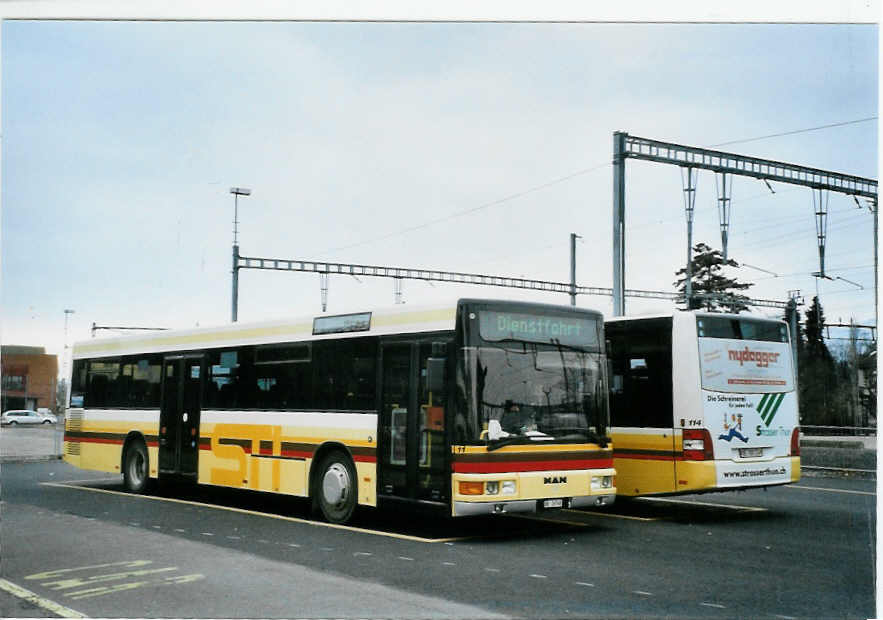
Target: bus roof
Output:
[
  {"x": 682, "y": 313},
  {"x": 398, "y": 319}
]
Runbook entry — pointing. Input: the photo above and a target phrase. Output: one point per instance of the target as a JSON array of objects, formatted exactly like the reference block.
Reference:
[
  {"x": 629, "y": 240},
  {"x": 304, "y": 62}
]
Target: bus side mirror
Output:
[{"x": 435, "y": 374}]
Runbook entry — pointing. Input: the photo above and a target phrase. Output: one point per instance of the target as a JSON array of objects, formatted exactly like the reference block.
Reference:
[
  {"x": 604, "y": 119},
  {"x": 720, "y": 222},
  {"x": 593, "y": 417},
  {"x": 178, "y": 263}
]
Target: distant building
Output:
[{"x": 29, "y": 378}]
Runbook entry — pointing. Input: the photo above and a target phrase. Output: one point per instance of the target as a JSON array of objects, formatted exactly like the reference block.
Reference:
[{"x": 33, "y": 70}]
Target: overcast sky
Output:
[{"x": 475, "y": 147}]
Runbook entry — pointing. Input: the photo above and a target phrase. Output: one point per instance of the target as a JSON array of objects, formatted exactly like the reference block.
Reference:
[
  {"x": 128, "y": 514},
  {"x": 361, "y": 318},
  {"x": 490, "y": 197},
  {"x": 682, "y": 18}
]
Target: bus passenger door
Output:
[
  {"x": 179, "y": 416},
  {"x": 411, "y": 426}
]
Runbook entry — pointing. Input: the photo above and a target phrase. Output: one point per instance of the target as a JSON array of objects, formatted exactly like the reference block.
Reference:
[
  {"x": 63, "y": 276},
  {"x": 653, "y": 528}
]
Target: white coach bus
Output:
[{"x": 701, "y": 402}]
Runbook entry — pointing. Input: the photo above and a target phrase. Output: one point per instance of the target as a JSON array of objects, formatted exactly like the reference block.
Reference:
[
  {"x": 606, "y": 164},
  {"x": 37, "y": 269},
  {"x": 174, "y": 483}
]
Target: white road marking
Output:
[
  {"x": 44, "y": 603},
  {"x": 715, "y": 605},
  {"x": 583, "y": 583},
  {"x": 179, "y": 530},
  {"x": 535, "y": 576},
  {"x": 363, "y": 553},
  {"x": 798, "y": 486},
  {"x": 695, "y": 503},
  {"x": 786, "y": 617},
  {"x": 449, "y": 563},
  {"x": 492, "y": 570},
  {"x": 401, "y": 557},
  {"x": 234, "y": 537},
  {"x": 294, "y": 545},
  {"x": 263, "y": 514},
  {"x": 642, "y": 593},
  {"x": 207, "y": 534}
]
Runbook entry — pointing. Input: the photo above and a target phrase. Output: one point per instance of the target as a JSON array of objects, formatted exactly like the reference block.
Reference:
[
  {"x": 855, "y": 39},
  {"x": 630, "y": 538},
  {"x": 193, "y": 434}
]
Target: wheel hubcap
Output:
[
  {"x": 136, "y": 468},
  {"x": 336, "y": 484}
]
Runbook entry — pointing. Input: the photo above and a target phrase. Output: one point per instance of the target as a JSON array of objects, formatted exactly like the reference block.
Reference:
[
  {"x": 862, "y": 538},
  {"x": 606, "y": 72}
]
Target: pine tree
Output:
[
  {"x": 815, "y": 326},
  {"x": 821, "y": 400},
  {"x": 711, "y": 289}
]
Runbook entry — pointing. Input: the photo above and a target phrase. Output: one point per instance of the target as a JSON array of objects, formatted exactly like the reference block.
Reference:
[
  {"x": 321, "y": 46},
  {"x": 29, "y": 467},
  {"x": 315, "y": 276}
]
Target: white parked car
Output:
[{"x": 26, "y": 416}]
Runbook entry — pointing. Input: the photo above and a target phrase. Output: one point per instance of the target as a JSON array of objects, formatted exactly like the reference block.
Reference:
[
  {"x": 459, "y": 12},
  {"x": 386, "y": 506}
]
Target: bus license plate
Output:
[
  {"x": 553, "y": 503},
  {"x": 747, "y": 453}
]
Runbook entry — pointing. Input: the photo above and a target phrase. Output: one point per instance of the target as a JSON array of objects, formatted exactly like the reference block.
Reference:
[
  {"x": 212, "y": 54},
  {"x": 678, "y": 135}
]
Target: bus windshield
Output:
[{"x": 522, "y": 392}]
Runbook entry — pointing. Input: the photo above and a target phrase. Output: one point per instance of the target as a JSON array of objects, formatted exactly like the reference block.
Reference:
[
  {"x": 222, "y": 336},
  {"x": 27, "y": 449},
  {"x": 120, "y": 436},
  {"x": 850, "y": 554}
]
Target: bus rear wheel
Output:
[
  {"x": 336, "y": 488},
  {"x": 135, "y": 467}
]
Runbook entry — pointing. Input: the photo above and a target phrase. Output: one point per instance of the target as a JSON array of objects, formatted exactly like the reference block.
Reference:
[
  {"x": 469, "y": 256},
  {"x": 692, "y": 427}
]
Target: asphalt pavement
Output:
[{"x": 78, "y": 539}]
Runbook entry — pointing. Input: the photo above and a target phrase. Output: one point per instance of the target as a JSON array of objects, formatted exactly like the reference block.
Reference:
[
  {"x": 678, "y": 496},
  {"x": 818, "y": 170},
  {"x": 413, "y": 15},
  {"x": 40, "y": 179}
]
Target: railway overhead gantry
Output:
[{"x": 724, "y": 165}]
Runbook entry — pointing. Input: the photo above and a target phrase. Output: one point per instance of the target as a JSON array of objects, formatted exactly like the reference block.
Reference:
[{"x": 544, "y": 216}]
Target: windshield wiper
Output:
[
  {"x": 569, "y": 347},
  {"x": 496, "y": 444}
]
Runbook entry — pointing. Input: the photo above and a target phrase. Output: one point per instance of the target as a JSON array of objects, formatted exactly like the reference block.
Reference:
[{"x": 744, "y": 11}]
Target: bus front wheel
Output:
[
  {"x": 135, "y": 468},
  {"x": 336, "y": 488}
]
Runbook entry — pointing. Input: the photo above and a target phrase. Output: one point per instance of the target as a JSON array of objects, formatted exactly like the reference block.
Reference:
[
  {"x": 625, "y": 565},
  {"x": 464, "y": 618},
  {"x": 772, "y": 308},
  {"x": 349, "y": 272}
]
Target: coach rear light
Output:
[
  {"x": 697, "y": 445},
  {"x": 795, "y": 441},
  {"x": 492, "y": 487},
  {"x": 508, "y": 487}
]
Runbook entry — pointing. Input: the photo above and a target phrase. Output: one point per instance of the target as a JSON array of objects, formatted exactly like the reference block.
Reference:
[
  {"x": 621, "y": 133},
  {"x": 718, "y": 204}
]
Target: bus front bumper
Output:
[{"x": 468, "y": 509}]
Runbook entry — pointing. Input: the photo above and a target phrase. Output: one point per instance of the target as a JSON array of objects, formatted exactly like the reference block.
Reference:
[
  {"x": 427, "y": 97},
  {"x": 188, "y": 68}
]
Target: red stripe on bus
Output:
[
  {"x": 291, "y": 453},
  {"x": 96, "y": 440},
  {"x": 650, "y": 457},
  {"x": 498, "y": 468}
]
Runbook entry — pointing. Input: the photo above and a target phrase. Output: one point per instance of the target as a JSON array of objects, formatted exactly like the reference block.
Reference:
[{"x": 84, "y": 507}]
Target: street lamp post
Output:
[
  {"x": 64, "y": 363},
  {"x": 237, "y": 192}
]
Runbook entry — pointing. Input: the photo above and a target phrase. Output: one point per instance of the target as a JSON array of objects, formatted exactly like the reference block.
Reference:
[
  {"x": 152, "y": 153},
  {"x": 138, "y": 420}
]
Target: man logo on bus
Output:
[{"x": 736, "y": 419}]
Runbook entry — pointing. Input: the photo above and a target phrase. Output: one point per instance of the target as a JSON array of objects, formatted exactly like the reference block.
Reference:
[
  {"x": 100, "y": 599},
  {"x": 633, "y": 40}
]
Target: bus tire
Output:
[
  {"x": 335, "y": 488},
  {"x": 136, "y": 467}
]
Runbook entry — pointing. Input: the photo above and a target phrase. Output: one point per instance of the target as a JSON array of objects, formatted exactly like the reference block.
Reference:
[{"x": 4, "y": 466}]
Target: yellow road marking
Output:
[
  {"x": 797, "y": 486},
  {"x": 263, "y": 514},
  {"x": 613, "y": 515},
  {"x": 546, "y": 519},
  {"x": 22, "y": 593}
]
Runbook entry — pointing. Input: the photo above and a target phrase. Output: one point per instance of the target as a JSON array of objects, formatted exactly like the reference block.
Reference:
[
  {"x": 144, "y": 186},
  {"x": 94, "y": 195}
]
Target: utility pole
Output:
[
  {"x": 573, "y": 238},
  {"x": 619, "y": 153},
  {"x": 853, "y": 374},
  {"x": 689, "y": 182},
  {"x": 237, "y": 192},
  {"x": 794, "y": 326}
]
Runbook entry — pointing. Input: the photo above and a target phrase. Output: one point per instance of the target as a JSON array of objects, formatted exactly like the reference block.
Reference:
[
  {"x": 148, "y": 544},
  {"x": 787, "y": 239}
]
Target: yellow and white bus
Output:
[
  {"x": 474, "y": 408},
  {"x": 701, "y": 402}
]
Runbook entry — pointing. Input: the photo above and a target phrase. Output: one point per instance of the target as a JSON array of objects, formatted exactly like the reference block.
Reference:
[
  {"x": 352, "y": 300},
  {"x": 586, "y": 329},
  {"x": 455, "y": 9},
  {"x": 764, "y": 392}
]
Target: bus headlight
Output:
[
  {"x": 508, "y": 487},
  {"x": 601, "y": 482},
  {"x": 492, "y": 487}
]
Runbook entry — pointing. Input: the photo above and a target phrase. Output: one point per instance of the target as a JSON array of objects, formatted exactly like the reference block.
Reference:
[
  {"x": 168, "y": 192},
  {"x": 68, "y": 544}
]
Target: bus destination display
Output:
[{"x": 572, "y": 331}]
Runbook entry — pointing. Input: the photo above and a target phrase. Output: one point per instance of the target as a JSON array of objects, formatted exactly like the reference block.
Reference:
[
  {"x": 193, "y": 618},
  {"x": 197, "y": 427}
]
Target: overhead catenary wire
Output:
[
  {"x": 796, "y": 131},
  {"x": 562, "y": 180},
  {"x": 469, "y": 211}
]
